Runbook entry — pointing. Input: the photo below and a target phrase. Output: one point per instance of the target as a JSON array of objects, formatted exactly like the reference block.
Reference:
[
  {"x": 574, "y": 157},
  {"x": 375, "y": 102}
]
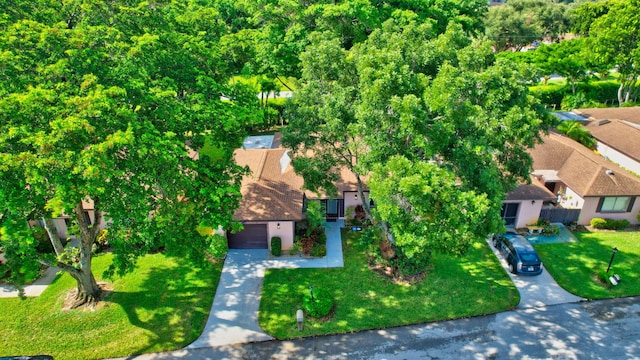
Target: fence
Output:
[{"x": 565, "y": 216}]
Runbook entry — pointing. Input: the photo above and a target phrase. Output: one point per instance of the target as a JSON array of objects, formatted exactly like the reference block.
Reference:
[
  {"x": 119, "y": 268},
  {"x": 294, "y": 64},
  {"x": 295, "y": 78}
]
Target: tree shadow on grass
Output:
[{"x": 171, "y": 304}]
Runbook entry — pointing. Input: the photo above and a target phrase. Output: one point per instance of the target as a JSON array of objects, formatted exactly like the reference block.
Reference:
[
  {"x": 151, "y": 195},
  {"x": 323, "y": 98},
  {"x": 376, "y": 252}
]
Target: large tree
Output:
[
  {"x": 520, "y": 22},
  {"x": 105, "y": 103},
  {"x": 615, "y": 41},
  {"x": 438, "y": 126}
]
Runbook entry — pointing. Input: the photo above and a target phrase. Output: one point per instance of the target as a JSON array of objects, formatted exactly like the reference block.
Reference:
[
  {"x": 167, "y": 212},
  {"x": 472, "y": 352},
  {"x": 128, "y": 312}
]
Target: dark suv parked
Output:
[{"x": 521, "y": 257}]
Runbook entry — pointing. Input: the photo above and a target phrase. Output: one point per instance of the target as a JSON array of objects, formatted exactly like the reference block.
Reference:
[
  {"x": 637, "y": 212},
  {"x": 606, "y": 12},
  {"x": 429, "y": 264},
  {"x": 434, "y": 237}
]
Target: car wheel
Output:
[{"x": 512, "y": 269}]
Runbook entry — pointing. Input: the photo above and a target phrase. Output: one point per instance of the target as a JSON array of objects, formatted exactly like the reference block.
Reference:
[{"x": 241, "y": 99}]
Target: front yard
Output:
[
  {"x": 575, "y": 265},
  {"x": 163, "y": 305},
  {"x": 475, "y": 284}
]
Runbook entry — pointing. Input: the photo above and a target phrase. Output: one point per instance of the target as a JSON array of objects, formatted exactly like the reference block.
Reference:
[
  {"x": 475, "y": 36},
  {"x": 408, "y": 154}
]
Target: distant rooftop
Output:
[
  {"x": 569, "y": 116},
  {"x": 258, "y": 142}
]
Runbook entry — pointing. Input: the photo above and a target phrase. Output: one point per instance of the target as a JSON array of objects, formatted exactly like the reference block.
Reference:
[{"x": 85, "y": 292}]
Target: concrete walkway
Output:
[
  {"x": 35, "y": 289},
  {"x": 234, "y": 314}
]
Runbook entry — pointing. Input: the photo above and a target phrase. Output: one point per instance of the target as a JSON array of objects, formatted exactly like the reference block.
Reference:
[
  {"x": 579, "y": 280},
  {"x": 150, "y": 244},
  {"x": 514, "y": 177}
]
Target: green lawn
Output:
[
  {"x": 163, "y": 305},
  {"x": 573, "y": 265},
  {"x": 456, "y": 287}
]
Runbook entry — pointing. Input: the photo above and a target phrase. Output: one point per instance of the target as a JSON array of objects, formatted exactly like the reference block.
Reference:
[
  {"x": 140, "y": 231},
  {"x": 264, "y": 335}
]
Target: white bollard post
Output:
[{"x": 300, "y": 319}]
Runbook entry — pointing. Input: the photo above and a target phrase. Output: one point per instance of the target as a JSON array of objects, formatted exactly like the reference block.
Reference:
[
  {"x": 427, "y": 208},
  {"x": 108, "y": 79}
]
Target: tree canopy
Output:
[
  {"x": 518, "y": 23},
  {"x": 105, "y": 103},
  {"x": 436, "y": 124}
]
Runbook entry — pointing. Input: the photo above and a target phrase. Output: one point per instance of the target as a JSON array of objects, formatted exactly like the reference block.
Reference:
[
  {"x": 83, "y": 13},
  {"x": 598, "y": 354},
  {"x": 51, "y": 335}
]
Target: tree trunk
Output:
[
  {"x": 88, "y": 289},
  {"x": 53, "y": 235},
  {"x": 620, "y": 100},
  {"x": 365, "y": 205}
]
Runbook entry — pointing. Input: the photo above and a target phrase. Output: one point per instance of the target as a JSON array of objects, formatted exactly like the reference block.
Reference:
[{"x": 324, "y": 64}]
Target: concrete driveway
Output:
[
  {"x": 539, "y": 290},
  {"x": 234, "y": 314}
]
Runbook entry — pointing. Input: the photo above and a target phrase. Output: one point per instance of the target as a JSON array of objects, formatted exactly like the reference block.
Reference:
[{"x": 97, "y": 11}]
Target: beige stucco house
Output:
[{"x": 582, "y": 179}]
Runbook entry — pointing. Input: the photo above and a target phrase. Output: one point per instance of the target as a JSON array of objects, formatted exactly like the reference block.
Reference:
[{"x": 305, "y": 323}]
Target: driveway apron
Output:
[
  {"x": 539, "y": 290},
  {"x": 234, "y": 314}
]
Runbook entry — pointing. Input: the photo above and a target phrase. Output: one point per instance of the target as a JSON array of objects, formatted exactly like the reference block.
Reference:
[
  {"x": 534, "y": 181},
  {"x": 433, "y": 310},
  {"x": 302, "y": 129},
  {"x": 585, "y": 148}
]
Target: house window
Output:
[
  {"x": 371, "y": 203},
  {"x": 615, "y": 204}
]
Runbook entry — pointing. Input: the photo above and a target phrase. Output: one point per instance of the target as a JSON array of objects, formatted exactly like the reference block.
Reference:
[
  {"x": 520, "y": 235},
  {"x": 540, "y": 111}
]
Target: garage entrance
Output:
[{"x": 254, "y": 236}]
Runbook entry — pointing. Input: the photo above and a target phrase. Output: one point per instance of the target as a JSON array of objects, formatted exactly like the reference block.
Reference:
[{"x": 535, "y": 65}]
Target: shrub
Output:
[
  {"x": 296, "y": 247},
  {"x": 301, "y": 227},
  {"x": 218, "y": 246},
  {"x": 598, "y": 223},
  {"x": 321, "y": 304},
  {"x": 350, "y": 214},
  {"x": 609, "y": 224},
  {"x": 276, "y": 246},
  {"x": 587, "y": 93},
  {"x": 319, "y": 250},
  {"x": 549, "y": 230},
  {"x": 322, "y": 238},
  {"x": 315, "y": 215}
]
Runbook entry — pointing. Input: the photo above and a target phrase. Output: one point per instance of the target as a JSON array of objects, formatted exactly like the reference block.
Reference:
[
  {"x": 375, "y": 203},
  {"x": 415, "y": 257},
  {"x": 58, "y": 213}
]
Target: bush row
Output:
[
  {"x": 609, "y": 224},
  {"x": 552, "y": 95}
]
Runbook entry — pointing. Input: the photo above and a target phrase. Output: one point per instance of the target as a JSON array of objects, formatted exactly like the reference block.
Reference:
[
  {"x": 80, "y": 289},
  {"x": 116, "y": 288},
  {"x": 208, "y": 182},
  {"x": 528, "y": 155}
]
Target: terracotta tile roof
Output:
[
  {"x": 581, "y": 169},
  {"x": 618, "y": 135},
  {"x": 534, "y": 191},
  {"x": 272, "y": 191}
]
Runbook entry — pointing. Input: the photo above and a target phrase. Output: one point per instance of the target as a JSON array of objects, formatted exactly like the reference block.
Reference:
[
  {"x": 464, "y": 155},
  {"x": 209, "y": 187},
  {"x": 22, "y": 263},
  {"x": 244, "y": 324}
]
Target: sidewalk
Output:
[
  {"x": 35, "y": 289},
  {"x": 234, "y": 314}
]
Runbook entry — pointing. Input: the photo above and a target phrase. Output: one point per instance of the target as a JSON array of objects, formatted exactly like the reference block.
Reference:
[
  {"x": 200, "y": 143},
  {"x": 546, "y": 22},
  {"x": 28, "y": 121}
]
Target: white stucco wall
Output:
[
  {"x": 618, "y": 158},
  {"x": 528, "y": 212},
  {"x": 285, "y": 232},
  {"x": 571, "y": 200},
  {"x": 591, "y": 205},
  {"x": 350, "y": 199}
]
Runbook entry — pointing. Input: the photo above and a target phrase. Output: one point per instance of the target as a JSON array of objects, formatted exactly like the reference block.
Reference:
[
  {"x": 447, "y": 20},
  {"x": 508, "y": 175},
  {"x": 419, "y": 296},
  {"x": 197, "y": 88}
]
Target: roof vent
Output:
[
  {"x": 603, "y": 122},
  {"x": 609, "y": 172}
]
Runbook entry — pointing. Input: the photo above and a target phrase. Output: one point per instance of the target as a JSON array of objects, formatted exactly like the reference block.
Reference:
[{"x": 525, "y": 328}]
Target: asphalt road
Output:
[{"x": 606, "y": 329}]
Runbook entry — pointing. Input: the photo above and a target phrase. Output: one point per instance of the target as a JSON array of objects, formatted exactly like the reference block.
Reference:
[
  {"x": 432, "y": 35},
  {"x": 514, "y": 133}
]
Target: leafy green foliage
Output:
[
  {"x": 319, "y": 250},
  {"x": 576, "y": 131},
  {"x": 319, "y": 305},
  {"x": 106, "y": 104},
  {"x": 517, "y": 23},
  {"x": 609, "y": 224},
  {"x": 314, "y": 215},
  {"x": 276, "y": 246},
  {"x": 614, "y": 41},
  {"x": 408, "y": 102},
  {"x": 594, "y": 94}
]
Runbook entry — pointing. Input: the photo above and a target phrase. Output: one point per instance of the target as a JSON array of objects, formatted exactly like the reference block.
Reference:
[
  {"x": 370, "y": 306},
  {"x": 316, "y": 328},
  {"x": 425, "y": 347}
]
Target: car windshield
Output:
[{"x": 529, "y": 257}]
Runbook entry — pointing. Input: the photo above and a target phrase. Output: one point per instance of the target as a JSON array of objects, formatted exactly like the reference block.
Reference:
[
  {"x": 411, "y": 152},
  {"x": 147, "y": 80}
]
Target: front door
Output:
[{"x": 509, "y": 213}]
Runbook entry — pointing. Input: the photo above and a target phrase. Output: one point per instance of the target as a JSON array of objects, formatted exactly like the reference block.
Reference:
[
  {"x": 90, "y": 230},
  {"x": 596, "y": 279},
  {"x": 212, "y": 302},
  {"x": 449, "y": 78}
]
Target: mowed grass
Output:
[
  {"x": 574, "y": 265},
  {"x": 475, "y": 284},
  {"x": 163, "y": 305}
]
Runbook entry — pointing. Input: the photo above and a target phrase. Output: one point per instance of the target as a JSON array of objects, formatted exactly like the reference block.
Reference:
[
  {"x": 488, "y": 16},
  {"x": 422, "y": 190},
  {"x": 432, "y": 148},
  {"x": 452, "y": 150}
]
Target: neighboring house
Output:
[
  {"x": 617, "y": 131},
  {"x": 583, "y": 180},
  {"x": 273, "y": 199}
]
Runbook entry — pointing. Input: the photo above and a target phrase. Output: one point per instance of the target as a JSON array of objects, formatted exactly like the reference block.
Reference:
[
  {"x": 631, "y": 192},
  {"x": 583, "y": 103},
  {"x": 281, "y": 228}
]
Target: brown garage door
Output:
[{"x": 254, "y": 236}]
